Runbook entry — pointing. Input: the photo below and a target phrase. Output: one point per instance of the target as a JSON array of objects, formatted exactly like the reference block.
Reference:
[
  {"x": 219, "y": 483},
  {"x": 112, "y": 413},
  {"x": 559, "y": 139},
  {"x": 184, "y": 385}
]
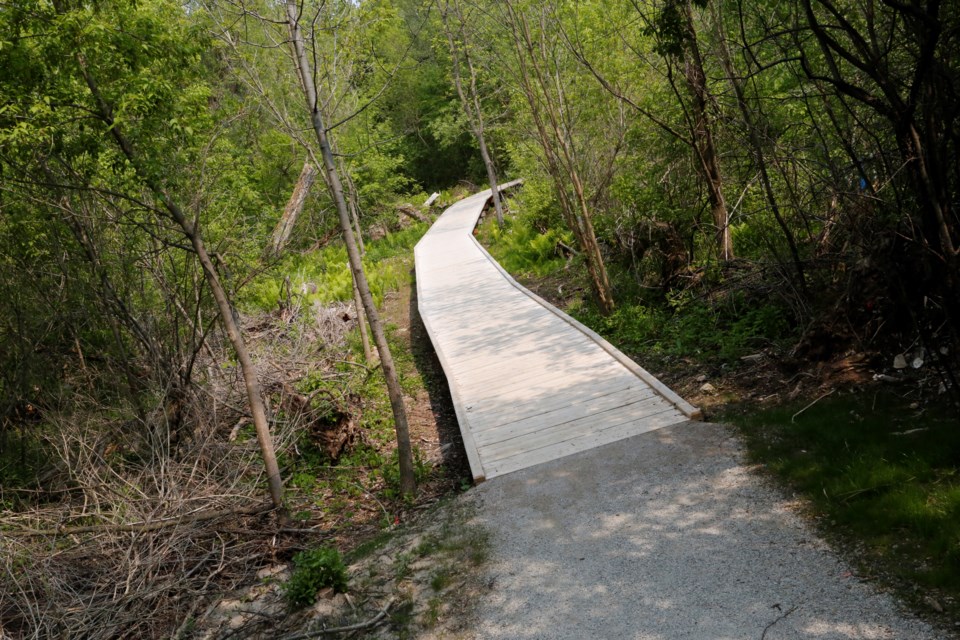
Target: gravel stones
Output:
[{"x": 667, "y": 536}]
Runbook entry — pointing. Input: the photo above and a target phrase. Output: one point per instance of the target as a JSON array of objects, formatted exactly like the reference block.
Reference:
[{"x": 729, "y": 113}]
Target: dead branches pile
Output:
[{"x": 136, "y": 526}]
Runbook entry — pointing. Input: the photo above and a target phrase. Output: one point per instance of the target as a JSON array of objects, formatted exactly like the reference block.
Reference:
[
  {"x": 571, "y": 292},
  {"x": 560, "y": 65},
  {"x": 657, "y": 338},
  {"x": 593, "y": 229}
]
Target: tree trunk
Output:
[
  {"x": 357, "y": 300},
  {"x": 471, "y": 105},
  {"x": 545, "y": 108},
  {"x": 756, "y": 147},
  {"x": 234, "y": 333},
  {"x": 407, "y": 480},
  {"x": 281, "y": 235},
  {"x": 707, "y": 159}
]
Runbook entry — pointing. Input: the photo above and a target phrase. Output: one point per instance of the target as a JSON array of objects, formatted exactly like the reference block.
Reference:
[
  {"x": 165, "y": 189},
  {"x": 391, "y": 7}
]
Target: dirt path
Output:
[{"x": 667, "y": 536}]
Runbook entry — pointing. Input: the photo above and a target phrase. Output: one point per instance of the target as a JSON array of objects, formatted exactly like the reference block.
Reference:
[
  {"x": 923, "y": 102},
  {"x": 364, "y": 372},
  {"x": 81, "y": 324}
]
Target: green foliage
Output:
[
  {"x": 522, "y": 250},
  {"x": 391, "y": 472},
  {"x": 314, "y": 570},
  {"x": 386, "y": 263},
  {"x": 879, "y": 469},
  {"x": 721, "y": 331}
]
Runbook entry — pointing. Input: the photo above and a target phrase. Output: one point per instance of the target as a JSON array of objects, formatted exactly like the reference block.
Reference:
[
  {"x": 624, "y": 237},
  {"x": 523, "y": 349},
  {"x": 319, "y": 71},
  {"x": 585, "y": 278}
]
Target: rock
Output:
[
  {"x": 700, "y": 378},
  {"x": 934, "y": 604},
  {"x": 708, "y": 388},
  {"x": 900, "y": 361},
  {"x": 271, "y": 571}
]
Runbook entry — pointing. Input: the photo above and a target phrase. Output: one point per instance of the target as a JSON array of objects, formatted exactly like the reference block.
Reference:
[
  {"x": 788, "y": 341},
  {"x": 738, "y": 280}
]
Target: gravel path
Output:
[{"x": 666, "y": 536}]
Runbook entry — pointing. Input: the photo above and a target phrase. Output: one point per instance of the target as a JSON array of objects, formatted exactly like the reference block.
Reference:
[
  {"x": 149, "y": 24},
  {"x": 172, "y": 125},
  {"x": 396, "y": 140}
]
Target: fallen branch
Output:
[
  {"x": 767, "y": 628},
  {"x": 412, "y": 212},
  {"x": 140, "y": 527},
  {"x": 372, "y": 622},
  {"x": 828, "y": 393}
]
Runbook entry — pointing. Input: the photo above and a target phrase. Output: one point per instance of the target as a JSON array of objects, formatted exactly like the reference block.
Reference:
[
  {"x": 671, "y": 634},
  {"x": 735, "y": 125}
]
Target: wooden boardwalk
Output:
[{"x": 529, "y": 383}]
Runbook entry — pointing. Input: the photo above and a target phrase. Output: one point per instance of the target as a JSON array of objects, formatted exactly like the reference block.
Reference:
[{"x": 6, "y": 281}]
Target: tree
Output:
[
  {"x": 677, "y": 40},
  {"x": 459, "y": 44},
  {"x": 106, "y": 86},
  {"x": 305, "y": 73},
  {"x": 541, "y": 81}
]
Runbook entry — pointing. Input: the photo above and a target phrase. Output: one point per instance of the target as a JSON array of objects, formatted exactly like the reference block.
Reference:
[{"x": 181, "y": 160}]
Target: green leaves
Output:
[{"x": 314, "y": 570}]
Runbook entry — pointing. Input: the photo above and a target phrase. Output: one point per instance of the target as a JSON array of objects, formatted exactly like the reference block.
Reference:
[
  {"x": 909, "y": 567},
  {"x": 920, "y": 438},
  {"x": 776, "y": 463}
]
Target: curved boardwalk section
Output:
[{"x": 529, "y": 383}]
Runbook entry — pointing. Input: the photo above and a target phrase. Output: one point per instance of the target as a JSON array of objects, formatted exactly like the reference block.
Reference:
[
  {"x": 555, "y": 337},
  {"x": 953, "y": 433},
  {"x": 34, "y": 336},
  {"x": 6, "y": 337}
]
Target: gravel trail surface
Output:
[{"x": 667, "y": 536}]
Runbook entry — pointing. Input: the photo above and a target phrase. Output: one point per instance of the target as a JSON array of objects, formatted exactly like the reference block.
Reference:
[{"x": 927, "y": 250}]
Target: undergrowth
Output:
[
  {"x": 323, "y": 276},
  {"x": 685, "y": 324},
  {"x": 313, "y": 570},
  {"x": 523, "y": 250},
  {"x": 882, "y": 470}
]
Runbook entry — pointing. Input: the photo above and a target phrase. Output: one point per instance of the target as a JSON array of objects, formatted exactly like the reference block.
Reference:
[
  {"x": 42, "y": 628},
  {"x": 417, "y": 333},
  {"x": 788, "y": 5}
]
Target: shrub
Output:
[{"x": 314, "y": 570}]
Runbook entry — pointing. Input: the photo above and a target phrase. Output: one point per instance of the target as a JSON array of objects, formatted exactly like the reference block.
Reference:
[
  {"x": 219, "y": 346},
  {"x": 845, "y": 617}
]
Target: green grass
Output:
[
  {"x": 896, "y": 492},
  {"x": 386, "y": 264}
]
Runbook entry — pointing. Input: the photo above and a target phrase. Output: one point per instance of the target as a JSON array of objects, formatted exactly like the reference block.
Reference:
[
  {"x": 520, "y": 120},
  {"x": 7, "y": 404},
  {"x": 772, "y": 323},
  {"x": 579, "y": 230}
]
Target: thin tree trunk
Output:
[
  {"x": 708, "y": 160},
  {"x": 471, "y": 105},
  {"x": 357, "y": 300},
  {"x": 407, "y": 480},
  {"x": 756, "y": 145},
  {"x": 234, "y": 333},
  {"x": 361, "y": 322},
  {"x": 281, "y": 235},
  {"x": 560, "y": 160}
]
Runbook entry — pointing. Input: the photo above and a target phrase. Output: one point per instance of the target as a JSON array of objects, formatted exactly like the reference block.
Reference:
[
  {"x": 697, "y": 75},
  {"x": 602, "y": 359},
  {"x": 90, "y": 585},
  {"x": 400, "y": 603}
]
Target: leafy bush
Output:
[
  {"x": 314, "y": 570},
  {"x": 522, "y": 250}
]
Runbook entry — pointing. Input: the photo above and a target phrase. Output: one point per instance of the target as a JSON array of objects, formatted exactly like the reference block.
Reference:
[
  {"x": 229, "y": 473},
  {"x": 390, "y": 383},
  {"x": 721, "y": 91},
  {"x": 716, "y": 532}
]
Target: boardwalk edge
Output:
[{"x": 692, "y": 412}]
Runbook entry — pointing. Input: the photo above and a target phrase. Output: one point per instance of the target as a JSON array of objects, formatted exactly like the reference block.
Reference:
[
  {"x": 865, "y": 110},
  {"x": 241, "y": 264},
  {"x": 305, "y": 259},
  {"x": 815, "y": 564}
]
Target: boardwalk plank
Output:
[{"x": 529, "y": 383}]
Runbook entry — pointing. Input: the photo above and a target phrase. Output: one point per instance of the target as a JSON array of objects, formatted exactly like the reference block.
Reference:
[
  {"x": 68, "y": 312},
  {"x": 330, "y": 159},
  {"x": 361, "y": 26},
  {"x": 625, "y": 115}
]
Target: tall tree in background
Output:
[
  {"x": 676, "y": 33},
  {"x": 455, "y": 28},
  {"x": 541, "y": 80},
  {"x": 124, "y": 113},
  {"x": 305, "y": 73}
]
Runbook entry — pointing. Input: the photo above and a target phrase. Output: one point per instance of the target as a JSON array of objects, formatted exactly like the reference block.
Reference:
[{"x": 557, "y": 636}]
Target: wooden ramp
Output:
[{"x": 529, "y": 383}]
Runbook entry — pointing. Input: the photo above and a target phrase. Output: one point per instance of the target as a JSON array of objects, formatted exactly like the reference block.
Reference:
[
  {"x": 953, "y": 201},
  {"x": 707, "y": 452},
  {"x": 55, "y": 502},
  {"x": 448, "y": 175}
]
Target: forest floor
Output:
[
  {"x": 412, "y": 576},
  {"x": 426, "y": 573}
]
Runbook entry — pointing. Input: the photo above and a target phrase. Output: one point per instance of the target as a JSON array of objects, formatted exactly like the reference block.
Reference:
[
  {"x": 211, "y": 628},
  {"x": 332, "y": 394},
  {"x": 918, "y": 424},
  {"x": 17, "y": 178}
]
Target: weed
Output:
[
  {"x": 369, "y": 547},
  {"x": 401, "y": 566},
  {"x": 401, "y": 617},
  {"x": 314, "y": 570},
  {"x": 432, "y": 615},
  {"x": 439, "y": 580},
  {"x": 391, "y": 471},
  {"x": 426, "y": 547}
]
